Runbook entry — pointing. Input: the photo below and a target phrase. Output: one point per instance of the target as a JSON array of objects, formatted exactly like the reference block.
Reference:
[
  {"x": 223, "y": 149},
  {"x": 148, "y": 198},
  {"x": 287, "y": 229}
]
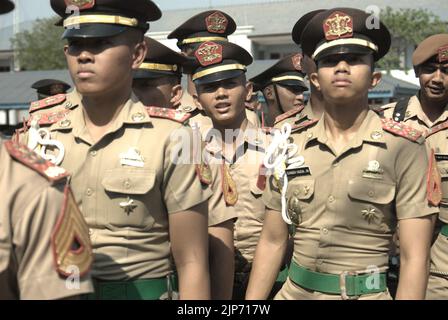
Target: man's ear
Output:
[
  {"x": 140, "y": 51},
  {"x": 376, "y": 79},
  {"x": 250, "y": 89},
  {"x": 314, "y": 79},
  {"x": 176, "y": 96}
]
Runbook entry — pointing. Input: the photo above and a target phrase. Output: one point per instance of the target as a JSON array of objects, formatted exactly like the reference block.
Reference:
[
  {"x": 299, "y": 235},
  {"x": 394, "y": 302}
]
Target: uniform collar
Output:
[
  {"x": 370, "y": 131},
  {"x": 415, "y": 110},
  {"x": 133, "y": 112}
]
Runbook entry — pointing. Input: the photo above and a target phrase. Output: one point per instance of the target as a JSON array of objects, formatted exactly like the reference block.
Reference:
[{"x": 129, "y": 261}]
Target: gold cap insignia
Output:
[
  {"x": 216, "y": 23},
  {"x": 443, "y": 54},
  {"x": 209, "y": 53},
  {"x": 81, "y": 4},
  {"x": 338, "y": 25},
  {"x": 297, "y": 62}
]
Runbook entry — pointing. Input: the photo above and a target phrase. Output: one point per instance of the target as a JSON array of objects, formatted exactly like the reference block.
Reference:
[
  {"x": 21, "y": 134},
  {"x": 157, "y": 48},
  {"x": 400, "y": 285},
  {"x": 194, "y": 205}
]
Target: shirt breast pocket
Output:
[
  {"x": 443, "y": 170},
  {"x": 300, "y": 197},
  {"x": 129, "y": 193},
  {"x": 371, "y": 199}
]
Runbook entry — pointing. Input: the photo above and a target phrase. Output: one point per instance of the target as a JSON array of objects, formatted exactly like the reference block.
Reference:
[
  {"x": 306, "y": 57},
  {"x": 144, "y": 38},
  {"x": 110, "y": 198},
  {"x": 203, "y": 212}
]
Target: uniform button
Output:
[
  {"x": 371, "y": 193},
  {"x": 93, "y": 153},
  {"x": 331, "y": 199},
  {"x": 136, "y": 117},
  {"x": 127, "y": 184},
  {"x": 65, "y": 123},
  {"x": 375, "y": 135},
  {"x": 320, "y": 261},
  {"x": 89, "y": 192},
  {"x": 90, "y": 232},
  {"x": 324, "y": 230},
  {"x": 336, "y": 163},
  {"x": 310, "y": 135}
]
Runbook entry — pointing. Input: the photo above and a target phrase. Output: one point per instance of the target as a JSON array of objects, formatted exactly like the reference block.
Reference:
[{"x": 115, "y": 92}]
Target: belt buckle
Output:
[{"x": 343, "y": 287}]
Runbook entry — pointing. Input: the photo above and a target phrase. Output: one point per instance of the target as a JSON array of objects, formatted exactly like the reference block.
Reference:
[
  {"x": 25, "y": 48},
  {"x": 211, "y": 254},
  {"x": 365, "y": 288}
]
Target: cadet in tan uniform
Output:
[
  {"x": 137, "y": 188},
  {"x": 347, "y": 180},
  {"x": 40, "y": 225},
  {"x": 282, "y": 86},
  {"x": 428, "y": 111},
  {"x": 157, "y": 80},
  {"x": 49, "y": 87},
  {"x": 212, "y": 25},
  {"x": 235, "y": 145}
]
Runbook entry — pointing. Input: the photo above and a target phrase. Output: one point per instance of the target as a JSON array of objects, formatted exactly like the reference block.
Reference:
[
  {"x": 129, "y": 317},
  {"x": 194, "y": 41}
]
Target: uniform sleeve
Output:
[
  {"x": 182, "y": 188},
  {"x": 412, "y": 167},
  {"x": 37, "y": 276},
  {"x": 271, "y": 195}
]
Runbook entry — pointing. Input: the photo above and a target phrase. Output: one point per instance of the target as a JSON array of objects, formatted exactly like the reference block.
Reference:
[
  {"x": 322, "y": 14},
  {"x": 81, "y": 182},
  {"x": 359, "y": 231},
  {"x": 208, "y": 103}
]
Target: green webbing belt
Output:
[
  {"x": 144, "y": 289},
  {"x": 356, "y": 285}
]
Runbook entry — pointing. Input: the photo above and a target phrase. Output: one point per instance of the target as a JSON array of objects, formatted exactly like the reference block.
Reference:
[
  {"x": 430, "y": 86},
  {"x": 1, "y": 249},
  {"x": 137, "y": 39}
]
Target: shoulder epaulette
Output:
[
  {"x": 288, "y": 114},
  {"x": 401, "y": 129},
  {"x": 45, "y": 168},
  {"x": 50, "y": 117},
  {"x": 304, "y": 125},
  {"x": 47, "y": 102},
  {"x": 166, "y": 113},
  {"x": 437, "y": 128}
]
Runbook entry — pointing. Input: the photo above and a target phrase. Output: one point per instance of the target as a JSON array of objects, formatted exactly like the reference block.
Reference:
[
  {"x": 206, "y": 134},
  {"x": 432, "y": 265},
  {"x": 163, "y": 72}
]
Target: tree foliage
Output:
[
  {"x": 40, "y": 48},
  {"x": 408, "y": 27}
]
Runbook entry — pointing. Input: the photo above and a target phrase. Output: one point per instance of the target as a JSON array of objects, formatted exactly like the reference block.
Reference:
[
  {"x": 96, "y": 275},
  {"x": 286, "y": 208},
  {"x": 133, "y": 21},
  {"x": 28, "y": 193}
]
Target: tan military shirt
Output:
[
  {"x": 349, "y": 203},
  {"x": 436, "y": 134},
  {"x": 127, "y": 184},
  {"x": 29, "y": 210},
  {"x": 244, "y": 169}
]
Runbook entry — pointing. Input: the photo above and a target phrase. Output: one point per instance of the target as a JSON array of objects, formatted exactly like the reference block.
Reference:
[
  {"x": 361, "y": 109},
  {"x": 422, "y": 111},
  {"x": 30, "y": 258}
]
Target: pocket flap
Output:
[
  {"x": 302, "y": 189},
  {"x": 129, "y": 181},
  {"x": 371, "y": 190}
]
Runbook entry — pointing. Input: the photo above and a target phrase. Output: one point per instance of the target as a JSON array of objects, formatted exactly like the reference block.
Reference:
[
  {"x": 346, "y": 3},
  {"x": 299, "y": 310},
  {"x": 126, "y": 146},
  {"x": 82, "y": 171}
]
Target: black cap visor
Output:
[
  {"x": 344, "y": 49},
  {"x": 153, "y": 74},
  {"x": 292, "y": 83},
  {"x": 218, "y": 76},
  {"x": 94, "y": 30},
  {"x": 6, "y": 6}
]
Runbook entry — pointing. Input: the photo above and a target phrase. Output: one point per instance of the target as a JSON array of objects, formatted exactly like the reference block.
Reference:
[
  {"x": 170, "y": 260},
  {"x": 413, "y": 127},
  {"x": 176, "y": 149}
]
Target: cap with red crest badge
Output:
[
  {"x": 343, "y": 31},
  {"x": 104, "y": 18},
  {"x": 217, "y": 61}
]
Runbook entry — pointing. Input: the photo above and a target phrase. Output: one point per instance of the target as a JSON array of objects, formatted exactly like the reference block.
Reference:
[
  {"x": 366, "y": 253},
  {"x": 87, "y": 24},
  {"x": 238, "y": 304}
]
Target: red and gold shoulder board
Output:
[
  {"x": 288, "y": 114},
  {"x": 304, "y": 125},
  {"x": 437, "y": 128},
  {"x": 45, "y": 168},
  {"x": 70, "y": 241},
  {"x": 401, "y": 129},
  {"x": 47, "y": 102},
  {"x": 49, "y": 118},
  {"x": 167, "y": 113}
]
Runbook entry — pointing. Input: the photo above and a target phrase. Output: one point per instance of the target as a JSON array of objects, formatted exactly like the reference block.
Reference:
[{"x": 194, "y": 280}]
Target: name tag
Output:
[
  {"x": 298, "y": 172},
  {"x": 441, "y": 157}
]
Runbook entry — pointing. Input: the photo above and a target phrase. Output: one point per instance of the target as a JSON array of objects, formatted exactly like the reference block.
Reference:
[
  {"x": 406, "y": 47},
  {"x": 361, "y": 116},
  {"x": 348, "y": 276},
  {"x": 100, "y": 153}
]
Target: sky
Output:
[{"x": 33, "y": 9}]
